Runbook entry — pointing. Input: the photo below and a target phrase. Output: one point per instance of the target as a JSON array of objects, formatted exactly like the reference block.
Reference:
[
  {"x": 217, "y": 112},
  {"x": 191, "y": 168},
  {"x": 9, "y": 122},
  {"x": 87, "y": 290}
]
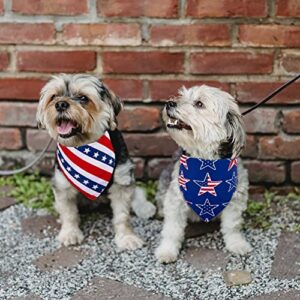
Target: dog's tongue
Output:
[{"x": 65, "y": 127}]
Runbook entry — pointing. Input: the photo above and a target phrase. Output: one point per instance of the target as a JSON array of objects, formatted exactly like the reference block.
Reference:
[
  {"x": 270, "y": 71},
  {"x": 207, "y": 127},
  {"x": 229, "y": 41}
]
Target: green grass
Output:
[{"x": 32, "y": 190}]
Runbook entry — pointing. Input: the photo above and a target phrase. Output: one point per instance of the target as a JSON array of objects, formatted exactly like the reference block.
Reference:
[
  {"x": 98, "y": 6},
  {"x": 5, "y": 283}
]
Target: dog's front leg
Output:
[
  {"x": 121, "y": 198},
  {"x": 66, "y": 206},
  {"x": 175, "y": 220}
]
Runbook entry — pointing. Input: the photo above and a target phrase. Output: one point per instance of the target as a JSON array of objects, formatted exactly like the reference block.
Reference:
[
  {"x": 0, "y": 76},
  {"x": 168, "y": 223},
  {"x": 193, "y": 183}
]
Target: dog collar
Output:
[
  {"x": 89, "y": 168},
  {"x": 207, "y": 185}
]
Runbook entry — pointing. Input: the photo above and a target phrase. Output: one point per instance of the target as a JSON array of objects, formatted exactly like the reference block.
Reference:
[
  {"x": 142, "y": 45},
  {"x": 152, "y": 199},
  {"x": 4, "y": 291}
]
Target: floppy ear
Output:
[
  {"x": 116, "y": 105},
  {"x": 236, "y": 137},
  {"x": 39, "y": 113}
]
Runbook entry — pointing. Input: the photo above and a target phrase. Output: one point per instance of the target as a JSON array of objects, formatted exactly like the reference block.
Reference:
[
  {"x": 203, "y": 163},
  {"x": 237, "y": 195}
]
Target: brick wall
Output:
[{"x": 145, "y": 50}]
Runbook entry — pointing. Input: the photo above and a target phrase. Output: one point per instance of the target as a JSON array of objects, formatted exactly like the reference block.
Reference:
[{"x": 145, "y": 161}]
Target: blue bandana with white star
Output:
[{"x": 207, "y": 185}]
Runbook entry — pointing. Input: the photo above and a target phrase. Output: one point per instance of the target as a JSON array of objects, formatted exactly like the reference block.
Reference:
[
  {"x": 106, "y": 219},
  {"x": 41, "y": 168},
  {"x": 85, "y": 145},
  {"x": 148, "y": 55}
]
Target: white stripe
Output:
[
  {"x": 77, "y": 183},
  {"x": 102, "y": 148},
  {"x": 91, "y": 160},
  {"x": 81, "y": 171}
]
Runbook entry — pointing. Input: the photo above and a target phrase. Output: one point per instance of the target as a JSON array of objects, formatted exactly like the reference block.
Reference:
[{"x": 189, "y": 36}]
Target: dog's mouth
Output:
[
  {"x": 175, "y": 123},
  {"x": 67, "y": 128}
]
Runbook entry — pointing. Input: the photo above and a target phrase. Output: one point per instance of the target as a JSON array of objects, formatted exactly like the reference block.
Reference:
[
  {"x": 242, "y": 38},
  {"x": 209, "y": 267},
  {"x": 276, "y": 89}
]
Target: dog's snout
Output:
[
  {"x": 171, "y": 104},
  {"x": 62, "y": 106}
]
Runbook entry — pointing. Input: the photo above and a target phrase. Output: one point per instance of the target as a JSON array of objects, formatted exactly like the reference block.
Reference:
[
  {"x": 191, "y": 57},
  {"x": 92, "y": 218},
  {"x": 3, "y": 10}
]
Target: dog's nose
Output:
[
  {"x": 61, "y": 106},
  {"x": 171, "y": 104}
]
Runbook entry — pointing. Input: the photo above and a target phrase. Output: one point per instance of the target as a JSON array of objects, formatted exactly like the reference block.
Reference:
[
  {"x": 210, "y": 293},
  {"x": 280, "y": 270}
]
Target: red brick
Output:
[
  {"x": 270, "y": 35},
  {"x": 291, "y": 121},
  {"x": 226, "y": 8},
  {"x": 288, "y": 8},
  {"x": 56, "y": 61},
  {"x": 128, "y": 89},
  {"x": 37, "y": 139},
  {"x": 253, "y": 92},
  {"x": 164, "y": 89},
  {"x": 17, "y": 114},
  {"x": 53, "y": 7},
  {"x": 270, "y": 172},
  {"x": 139, "y": 167},
  {"x": 295, "y": 171},
  {"x": 138, "y": 8},
  {"x": 20, "y": 88},
  {"x": 10, "y": 139},
  {"x": 282, "y": 191},
  {"x": 199, "y": 35},
  {"x": 102, "y": 34},
  {"x": 152, "y": 144},
  {"x": 231, "y": 63},
  {"x": 142, "y": 62},
  {"x": 18, "y": 33},
  {"x": 156, "y": 166},
  {"x": 251, "y": 149},
  {"x": 290, "y": 62},
  {"x": 139, "y": 119},
  {"x": 4, "y": 60},
  {"x": 1, "y": 7},
  {"x": 279, "y": 147},
  {"x": 263, "y": 120}
]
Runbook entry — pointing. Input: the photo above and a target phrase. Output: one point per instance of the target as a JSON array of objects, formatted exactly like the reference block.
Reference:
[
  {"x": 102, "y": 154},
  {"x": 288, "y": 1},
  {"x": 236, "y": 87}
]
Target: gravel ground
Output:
[{"x": 179, "y": 280}]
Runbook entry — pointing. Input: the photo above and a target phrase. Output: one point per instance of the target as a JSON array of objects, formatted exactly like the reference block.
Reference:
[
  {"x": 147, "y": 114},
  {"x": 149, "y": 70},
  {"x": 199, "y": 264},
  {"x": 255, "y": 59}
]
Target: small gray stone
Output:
[
  {"x": 237, "y": 277},
  {"x": 203, "y": 258},
  {"x": 282, "y": 295},
  {"x": 40, "y": 226},
  {"x": 28, "y": 297},
  {"x": 62, "y": 258},
  {"x": 102, "y": 288},
  {"x": 287, "y": 256}
]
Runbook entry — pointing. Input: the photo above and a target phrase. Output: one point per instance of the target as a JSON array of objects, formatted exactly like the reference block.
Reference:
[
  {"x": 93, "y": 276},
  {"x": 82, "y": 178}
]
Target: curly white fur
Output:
[{"x": 214, "y": 120}]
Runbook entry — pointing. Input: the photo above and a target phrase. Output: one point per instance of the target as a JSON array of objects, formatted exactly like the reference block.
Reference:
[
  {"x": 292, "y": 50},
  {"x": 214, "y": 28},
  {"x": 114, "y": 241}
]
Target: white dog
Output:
[
  {"x": 77, "y": 110},
  {"x": 206, "y": 123}
]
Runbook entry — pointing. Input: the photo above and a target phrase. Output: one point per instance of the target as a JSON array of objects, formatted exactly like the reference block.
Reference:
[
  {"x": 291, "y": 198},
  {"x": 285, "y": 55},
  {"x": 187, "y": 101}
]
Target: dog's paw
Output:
[
  {"x": 128, "y": 242},
  {"x": 146, "y": 211},
  {"x": 240, "y": 247},
  {"x": 166, "y": 253},
  {"x": 70, "y": 236}
]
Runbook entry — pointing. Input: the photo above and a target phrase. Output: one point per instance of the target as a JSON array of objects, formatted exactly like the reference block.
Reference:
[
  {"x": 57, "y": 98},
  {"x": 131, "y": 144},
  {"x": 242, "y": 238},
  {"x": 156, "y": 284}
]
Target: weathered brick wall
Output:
[{"x": 145, "y": 50}]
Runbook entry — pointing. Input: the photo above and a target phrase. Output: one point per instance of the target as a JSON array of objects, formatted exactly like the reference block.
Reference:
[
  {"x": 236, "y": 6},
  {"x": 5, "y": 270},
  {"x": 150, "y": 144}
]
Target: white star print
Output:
[
  {"x": 95, "y": 186},
  {"x": 110, "y": 161},
  {"x": 104, "y": 158},
  {"x": 232, "y": 182},
  {"x": 96, "y": 154},
  {"x": 62, "y": 160},
  {"x": 208, "y": 164},
  {"x": 76, "y": 176},
  {"x": 68, "y": 169},
  {"x": 87, "y": 150},
  {"x": 85, "y": 182},
  {"x": 207, "y": 208}
]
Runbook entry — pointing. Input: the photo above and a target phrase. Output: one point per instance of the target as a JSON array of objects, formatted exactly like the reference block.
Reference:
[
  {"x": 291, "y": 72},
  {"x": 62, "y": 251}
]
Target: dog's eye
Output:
[
  {"x": 83, "y": 98},
  {"x": 199, "y": 104},
  {"x": 52, "y": 97}
]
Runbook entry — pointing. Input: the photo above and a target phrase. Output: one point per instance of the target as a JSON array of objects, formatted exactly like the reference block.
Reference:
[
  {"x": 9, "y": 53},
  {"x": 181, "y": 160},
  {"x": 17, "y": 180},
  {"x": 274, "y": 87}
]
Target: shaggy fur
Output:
[
  {"x": 206, "y": 123},
  {"x": 91, "y": 108}
]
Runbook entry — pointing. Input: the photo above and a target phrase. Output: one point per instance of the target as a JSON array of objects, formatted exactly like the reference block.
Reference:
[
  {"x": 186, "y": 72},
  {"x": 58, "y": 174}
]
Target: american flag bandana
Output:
[
  {"x": 207, "y": 185},
  {"x": 89, "y": 168}
]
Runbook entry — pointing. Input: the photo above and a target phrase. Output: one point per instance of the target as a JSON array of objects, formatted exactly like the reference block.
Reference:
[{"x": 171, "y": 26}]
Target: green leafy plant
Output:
[
  {"x": 150, "y": 187},
  {"x": 32, "y": 190}
]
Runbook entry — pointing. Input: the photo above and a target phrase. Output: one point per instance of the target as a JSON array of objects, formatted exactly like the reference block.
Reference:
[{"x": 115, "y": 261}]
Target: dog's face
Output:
[
  {"x": 207, "y": 119},
  {"x": 77, "y": 109}
]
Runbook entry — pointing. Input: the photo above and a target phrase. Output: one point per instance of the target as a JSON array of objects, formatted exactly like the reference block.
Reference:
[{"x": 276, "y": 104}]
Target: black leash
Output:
[{"x": 277, "y": 91}]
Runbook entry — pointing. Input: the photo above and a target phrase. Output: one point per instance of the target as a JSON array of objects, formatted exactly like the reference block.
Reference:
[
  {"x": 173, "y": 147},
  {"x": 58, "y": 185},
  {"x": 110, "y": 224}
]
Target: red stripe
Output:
[
  {"x": 89, "y": 196},
  {"x": 85, "y": 165},
  {"x": 105, "y": 141}
]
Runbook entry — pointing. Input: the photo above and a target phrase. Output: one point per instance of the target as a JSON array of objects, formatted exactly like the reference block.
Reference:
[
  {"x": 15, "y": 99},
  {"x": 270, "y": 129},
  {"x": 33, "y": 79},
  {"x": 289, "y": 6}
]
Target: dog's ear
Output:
[
  {"x": 116, "y": 104},
  {"x": 235, "y": 142},
  {"x": 39, "y": 114}
]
